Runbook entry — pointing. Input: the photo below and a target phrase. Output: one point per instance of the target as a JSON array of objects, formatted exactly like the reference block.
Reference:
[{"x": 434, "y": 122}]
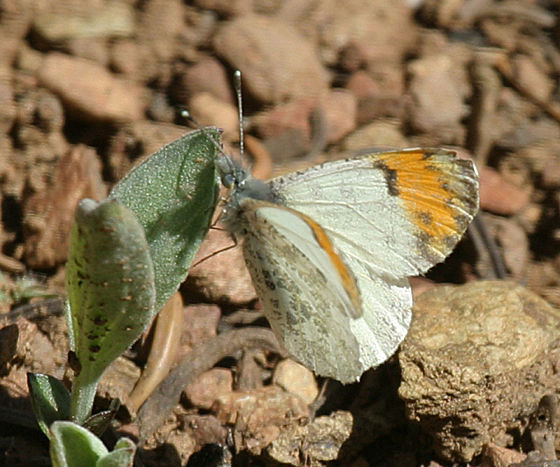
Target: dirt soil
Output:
[{"x": 87, "y": 89}]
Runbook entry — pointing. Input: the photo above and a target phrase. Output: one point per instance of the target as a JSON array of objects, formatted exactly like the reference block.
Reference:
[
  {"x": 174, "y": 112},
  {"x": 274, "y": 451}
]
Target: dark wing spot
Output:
[
  {"x": 391, "y": 179},
  {"x": 426, "y": 217}
]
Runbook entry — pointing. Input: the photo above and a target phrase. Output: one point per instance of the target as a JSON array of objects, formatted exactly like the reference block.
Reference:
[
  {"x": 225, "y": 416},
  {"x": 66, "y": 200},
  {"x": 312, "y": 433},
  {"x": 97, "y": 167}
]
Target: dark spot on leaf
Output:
[{"x": 99, "y": 320}]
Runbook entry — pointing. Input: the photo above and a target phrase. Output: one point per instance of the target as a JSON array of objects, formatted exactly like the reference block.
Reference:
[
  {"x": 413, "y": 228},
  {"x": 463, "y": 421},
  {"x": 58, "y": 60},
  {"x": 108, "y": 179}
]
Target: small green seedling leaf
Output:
[
  {"x": 50, "y": 399},
  {"x": 74, "y": 446},
  {"x": 111, "y": 292},
  {"x": 121, "y": 456},
  {"x": 173, "y": 194}
]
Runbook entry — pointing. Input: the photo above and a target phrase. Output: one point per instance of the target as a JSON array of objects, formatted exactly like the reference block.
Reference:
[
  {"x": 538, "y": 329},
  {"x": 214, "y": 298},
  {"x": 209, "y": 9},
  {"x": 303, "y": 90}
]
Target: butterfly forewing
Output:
[{"x": 399, "y": 212}]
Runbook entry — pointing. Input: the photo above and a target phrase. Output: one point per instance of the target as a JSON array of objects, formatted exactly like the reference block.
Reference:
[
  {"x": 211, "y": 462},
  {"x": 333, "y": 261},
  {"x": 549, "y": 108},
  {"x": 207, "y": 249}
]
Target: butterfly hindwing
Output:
[{"x": 300, "y": 290}]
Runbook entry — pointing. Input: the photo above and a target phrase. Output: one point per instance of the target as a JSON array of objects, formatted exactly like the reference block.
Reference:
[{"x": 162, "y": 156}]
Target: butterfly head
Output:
[{"x": 240, "y": 185}]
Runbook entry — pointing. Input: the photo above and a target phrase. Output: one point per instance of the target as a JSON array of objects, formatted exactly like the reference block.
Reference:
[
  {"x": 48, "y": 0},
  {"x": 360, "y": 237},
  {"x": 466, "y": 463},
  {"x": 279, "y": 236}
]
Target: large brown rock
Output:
[{"x": 476, "y": 362}]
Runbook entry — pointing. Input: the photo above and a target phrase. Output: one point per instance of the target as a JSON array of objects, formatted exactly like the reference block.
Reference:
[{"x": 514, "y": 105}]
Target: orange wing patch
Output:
[
  {"x": 348, "y": 281},
  {"x": 438, "y": 192},
  {"x": 344, "y": 273}
]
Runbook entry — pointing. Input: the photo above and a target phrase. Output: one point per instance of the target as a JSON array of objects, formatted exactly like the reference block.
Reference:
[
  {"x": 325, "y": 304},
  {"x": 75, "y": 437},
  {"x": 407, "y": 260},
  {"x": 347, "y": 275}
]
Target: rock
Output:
[
  {"x": 201, "y": 322},
  {"x": 208, "y": 76},
  {"x": 48, "y": 215},
  {"x": 49, "y": 114},
  {"x": 497, "y": 456},
  {"x": 29, "y": 60},
  {"x": 118, "y": 381},
  {"x": 114, "y": 19},
  {"x": 38, "y": 127},
  {"x": 543, "y": 160},
  {"x": 38, "y": 351},
  {"x": 227, "y": 8},
  {"x": 314, "y": 443},
  {"x": 160, "y": 109},
  {"x": 518, "y": 124},
  {"x": 339, "y": 108},
  {"x": 184, "y": 447},
  {"x": 91, "y": 49},
  {"x": 379, "y": 91},
  {"x": 7, "y": 104},
  {"x": 352, "y": 57},
  {"x": 438, "y": 89},
  {"x": 282, "y": 118},
  {"x": 209, "y": 386},
  {"x": 419, "y": 285},
  {"x": 287, "y": 128},
  {"x": 105, "y": 98},
  {"x": 498, "y": 196},
  {"x": 379, "y": 135},
  {"x": 296, "y": 379},
  {"x": 159, "y": 23},
  {"x": 125, "y": 58},
  {"x": 362, "y": 85},
  {"x": 209, "y": 110},
  {"x": 205, "y": 429},
  {"x": 259, "y": 415},
  {"x": 476, "y": 362},
  {"x": 223, "y": 277},
  {"x": 17, "y": 17},
  {"x": 288, "y": 146},
  {"x": 381, "y": 30},
  {"x": 531, "y": 78},
  {"x": 513, "y": 243},
  {"x": 292, "y": 71}
]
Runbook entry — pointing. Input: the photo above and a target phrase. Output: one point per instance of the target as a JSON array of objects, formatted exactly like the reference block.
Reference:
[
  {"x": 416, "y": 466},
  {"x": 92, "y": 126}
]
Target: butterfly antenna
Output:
[{"x": 237, "y": 85}]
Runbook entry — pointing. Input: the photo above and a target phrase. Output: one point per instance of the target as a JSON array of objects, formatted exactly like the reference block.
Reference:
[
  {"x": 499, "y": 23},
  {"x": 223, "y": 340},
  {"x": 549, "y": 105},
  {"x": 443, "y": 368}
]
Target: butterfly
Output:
[{"x": 329, "y": 248}]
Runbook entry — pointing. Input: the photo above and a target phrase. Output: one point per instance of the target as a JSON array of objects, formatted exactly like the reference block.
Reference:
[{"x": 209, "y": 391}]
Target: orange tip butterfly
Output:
[{"x": 330, "y": 248}]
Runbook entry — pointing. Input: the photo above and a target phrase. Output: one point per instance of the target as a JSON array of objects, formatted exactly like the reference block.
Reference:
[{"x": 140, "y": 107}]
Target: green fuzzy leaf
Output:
[
  {"x": 74, "y": 446},
  {"x": 121, "y": 456},
  {"x": 50, "y": 399},
  {"x": 110, "y": 285},
  {"x": 173, "y": 194}
]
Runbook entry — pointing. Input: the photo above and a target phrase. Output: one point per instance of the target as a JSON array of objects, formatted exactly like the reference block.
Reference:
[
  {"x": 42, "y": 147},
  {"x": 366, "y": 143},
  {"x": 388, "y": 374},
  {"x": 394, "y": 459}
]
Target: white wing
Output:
[
  {"x": 300, "y": 287},
  {"x": 397, "y": 213},
  {"x": 387, "y": 216},
  {"x": 391, "y": 215}
]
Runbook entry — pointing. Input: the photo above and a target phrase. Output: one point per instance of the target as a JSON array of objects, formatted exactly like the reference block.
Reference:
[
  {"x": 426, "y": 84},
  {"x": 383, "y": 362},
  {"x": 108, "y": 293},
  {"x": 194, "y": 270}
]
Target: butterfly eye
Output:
[{"x": 228, "y": 180}]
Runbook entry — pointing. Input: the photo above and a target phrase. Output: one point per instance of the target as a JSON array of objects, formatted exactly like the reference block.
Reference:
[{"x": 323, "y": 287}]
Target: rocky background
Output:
[{"x": 87, "y": 89}]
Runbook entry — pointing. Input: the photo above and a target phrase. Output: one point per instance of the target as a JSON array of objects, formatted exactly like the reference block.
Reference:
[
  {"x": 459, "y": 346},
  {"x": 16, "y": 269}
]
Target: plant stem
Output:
[{"x": 82, "y": 396}]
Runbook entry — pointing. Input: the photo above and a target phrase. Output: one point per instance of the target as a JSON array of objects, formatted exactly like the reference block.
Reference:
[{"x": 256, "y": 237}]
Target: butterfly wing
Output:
[
  {"x": 330, "y": 249},
  {"x": 302, "y": 289},
  {"x": 391, "y": 215},
  {"x": 398, "y": 213}
]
